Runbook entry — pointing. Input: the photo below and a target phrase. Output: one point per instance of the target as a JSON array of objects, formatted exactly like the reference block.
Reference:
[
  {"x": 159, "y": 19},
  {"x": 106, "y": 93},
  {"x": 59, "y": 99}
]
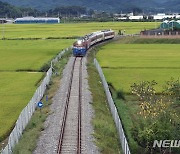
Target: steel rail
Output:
[
  {"x": 79, "y": 109},
  {"x": 65, "y": 111}
]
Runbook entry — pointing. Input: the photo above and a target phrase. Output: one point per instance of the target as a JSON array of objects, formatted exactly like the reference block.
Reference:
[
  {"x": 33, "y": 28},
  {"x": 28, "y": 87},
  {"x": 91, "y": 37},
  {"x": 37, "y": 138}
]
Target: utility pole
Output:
[{"x": 3, "y": 30}]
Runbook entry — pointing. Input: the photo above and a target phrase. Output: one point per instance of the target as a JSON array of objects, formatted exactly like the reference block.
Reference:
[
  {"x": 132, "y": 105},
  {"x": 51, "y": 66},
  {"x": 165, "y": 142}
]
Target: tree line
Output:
[{"x": 10, "y": 11}]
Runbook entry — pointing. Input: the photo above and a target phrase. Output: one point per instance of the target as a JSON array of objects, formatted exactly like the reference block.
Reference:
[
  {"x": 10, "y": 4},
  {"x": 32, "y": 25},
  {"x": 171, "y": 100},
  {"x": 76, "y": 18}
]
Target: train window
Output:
[
  {"x": 94, "y": 38},
  {"x": 99, "y": 36}
]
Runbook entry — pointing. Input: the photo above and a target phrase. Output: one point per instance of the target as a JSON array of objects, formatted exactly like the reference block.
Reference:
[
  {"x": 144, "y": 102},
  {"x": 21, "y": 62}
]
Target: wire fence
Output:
[
  {"x": 28, "y": 111},
  {"x": 117, "y": 120}
]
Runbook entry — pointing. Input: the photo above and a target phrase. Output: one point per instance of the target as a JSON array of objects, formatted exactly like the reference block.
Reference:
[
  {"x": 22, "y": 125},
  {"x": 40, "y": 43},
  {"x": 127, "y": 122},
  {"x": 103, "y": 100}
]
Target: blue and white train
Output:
[{"x": 81, "y": 46}]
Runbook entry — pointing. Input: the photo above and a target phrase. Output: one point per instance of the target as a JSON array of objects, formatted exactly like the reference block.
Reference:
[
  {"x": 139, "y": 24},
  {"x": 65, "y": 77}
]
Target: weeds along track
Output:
[{"x": 70, "y": 133}]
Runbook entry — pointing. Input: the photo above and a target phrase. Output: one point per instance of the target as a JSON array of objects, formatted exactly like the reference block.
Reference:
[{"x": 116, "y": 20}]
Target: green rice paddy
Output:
[
  {"x": 17, "y": 88},
  {"x": 125, "y": 64},
  {"x": 29, "y": 54},
  {"x": 71, "y": 29}
]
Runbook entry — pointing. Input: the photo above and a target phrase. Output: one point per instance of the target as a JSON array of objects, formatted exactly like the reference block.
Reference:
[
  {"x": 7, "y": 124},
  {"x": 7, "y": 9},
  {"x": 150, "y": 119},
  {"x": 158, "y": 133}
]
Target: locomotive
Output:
[{"x": 81, "y": 46}]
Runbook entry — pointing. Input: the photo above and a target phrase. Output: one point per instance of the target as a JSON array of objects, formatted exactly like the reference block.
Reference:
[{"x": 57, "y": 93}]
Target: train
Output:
[{"x": 81, "y": 46}]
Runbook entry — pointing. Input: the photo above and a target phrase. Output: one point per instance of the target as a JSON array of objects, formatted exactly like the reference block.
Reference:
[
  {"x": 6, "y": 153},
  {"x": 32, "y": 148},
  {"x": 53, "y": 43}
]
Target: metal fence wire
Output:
[
  {"x": 28, "y": 111},
  {"x": 113, "y": 109}
]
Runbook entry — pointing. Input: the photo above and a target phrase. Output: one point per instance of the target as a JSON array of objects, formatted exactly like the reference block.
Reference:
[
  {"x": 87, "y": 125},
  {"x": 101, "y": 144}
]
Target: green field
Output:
[
  {"x": 15, "y": 92},
  {"x": 17, "y": 88},
  {"x": 29, "y": 54},
  {"x": 122, "y": 79},
  {"x": 71, "y": 30},
  {"x": 125, "y": 64},
  {"x": 140, "y": 55}
]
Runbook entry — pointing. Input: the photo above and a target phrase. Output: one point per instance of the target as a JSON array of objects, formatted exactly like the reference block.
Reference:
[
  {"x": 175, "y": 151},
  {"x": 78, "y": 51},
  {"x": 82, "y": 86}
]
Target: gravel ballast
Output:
[{"x": 49, "y": 138}]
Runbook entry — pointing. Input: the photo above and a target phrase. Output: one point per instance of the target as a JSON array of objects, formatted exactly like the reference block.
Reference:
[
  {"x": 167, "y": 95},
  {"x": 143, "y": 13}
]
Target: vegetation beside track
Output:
[
  {"x": 29, "y": 55},
  {"x": 22, "y": 67},
  {"x": 131, "y": 63},
  {"x": 138, "y": 40},
  {"x": 104, "y": 127},
  {"x": 15, "y": 92},
  {"x": 28, "y": 141},
  {"x": 33, "y": 55},
  {"x": 125, "y": 64}
]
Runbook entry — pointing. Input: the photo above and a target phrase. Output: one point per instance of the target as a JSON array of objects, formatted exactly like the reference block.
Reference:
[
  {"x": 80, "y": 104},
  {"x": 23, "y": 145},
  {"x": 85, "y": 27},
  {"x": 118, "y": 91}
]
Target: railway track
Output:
[{"x": 70, "y": 134}]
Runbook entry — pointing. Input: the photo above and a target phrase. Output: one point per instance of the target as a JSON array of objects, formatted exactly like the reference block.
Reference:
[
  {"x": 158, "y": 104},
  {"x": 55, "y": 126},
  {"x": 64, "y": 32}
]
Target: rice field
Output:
[
  {"x": 29, "y": 54},
  {"x": 17, "y": 88},
  {"x": 71, "y": 29},
  {"x": 125, "y": 64},
  {"x": 131, "y": 60},
  {"x": 122, "y": 79}
]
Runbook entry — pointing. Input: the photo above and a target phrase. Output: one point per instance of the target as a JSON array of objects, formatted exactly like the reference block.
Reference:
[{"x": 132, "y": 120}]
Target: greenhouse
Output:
[
  {"x": 33, "y": 20},
  {"x": 170, "y": 25},
  {"x": 164, "y": 25},
  {"x": 174, "y": 25}
]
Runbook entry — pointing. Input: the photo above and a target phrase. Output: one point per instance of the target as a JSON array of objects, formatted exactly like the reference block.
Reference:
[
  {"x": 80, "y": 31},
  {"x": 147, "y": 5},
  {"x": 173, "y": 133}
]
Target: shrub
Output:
[
  {"x": 157, "y": 120},
  {"x": 45, "y": 67},
  {"x": 120, "y": 94}
]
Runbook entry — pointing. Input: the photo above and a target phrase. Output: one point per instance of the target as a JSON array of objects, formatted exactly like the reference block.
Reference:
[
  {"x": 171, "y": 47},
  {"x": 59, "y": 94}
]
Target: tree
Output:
[
  {"x": 173, "y": 89},
  {"x": 7, "y": 10},
  {"x": 137, "y": 11},
  {"x": 68, "y": 11}
]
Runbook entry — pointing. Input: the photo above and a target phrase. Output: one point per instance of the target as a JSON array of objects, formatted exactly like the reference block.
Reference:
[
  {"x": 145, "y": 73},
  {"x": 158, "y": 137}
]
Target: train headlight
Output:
[{"x": 79, "y": 42}]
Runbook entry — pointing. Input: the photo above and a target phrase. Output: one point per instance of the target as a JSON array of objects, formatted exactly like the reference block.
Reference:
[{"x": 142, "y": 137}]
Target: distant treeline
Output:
[
  {"x": 68, "y": 11},
  {"x": 10, "y": 11}
]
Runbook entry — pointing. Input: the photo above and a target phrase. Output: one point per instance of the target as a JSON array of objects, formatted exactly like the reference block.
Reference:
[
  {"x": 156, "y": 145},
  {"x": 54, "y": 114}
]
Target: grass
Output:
[
  {"x": 28, "y": 141},
  {"x": 104, "y": 128},
  {"x": 156, "y": 41},
  {"x": 29, "y": 55},
  {"x": 126, "y": 109},
  {"x": 20, "y": 63},
  {"x": 131, "y": 63},
  {"x": 122, "y": 79},
  {"x": 71, "y": 29},
  {"x": 138, "y": 40},
  {"x": 124, "y": 62},
  {"x": 15, "y": 93},
  {"x": 140, "y": 56}
]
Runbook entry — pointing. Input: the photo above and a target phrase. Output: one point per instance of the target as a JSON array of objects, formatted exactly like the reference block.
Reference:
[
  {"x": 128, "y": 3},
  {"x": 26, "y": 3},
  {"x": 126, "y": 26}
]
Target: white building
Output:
[
  {"x": 28, "y": 20},
  {"x": 161, "y": 16},
  {"x": 136, "y": 17},
  {"x": 177, "y": 16},
  {"x": 121, "y": 18},
  {"x": 6, "y": 20}
]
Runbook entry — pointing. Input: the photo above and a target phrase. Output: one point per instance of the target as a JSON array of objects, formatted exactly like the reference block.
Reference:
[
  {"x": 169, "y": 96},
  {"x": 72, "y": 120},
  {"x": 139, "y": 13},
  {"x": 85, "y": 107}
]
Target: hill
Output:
[
  {"x": 7, "y": 10},
  {"x": 103, "y": 5}
]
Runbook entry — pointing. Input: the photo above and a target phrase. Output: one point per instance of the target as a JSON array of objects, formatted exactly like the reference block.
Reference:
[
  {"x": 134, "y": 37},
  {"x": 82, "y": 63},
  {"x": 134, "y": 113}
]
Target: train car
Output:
[
  {"x": 108, "y": 34},
  {"x": 81, "y": 46},
  {"x": 96, "y": 37}
]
